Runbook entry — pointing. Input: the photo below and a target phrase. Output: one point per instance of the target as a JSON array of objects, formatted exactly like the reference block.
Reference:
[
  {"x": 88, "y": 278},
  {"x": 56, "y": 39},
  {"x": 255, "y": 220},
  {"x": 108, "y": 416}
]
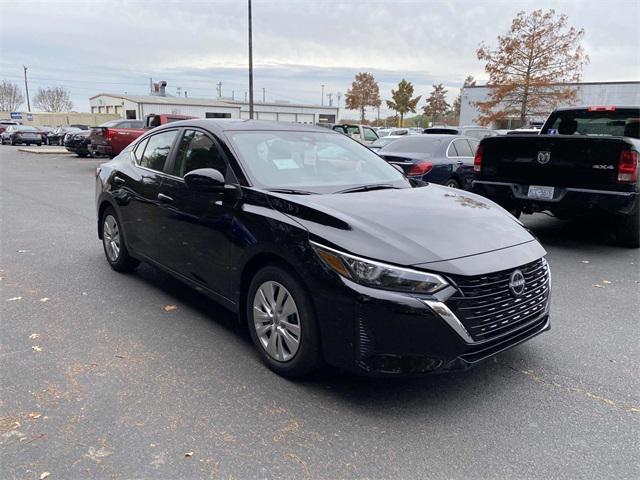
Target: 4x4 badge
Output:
[{"x": 544, "y": 157}]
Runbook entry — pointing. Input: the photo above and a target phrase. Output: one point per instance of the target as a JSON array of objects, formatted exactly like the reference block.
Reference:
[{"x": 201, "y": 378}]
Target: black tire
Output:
[
  {"x": 307, "y": 358},
  {"x": 452, "y": 183},
  {"x": 122, "y": 261},
  {"x": 628, "y": 228},
  {"x": 13, "y": 141},
  {"x": 39, "y": 144}
]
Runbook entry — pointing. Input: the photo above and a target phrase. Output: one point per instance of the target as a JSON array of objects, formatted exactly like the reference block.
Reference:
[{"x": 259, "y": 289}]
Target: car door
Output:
[
  {"x": 464, "y": 160},
  {"x": 198, "y": 228},
  {"x": 138, "y": 192}
]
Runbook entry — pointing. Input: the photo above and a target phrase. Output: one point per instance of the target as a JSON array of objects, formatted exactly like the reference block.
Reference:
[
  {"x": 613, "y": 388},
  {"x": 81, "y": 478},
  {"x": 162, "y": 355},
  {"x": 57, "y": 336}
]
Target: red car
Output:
[{"x": 112, "y": 137}]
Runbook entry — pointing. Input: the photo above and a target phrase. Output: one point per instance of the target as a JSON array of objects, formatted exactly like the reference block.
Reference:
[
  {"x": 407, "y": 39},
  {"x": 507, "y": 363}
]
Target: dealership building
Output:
[
  {"x": 138, "y": 106},
  {"x": 589, "y": 93}
]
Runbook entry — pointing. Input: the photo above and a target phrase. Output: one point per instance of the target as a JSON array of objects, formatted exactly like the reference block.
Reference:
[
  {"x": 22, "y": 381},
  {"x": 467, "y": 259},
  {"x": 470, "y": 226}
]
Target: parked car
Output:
[
  {"x": 323, "y": 249},
  {"x": 397, "y": 132},
  {"x": 584, "y": 162},
  {"x": 112, "y": 137},
  {"x": 21, "y": 134},
  {"x": 443, "y": 159},
  {"x": 6, "y": 123},
  {"x": 362, "y": 133},
  {"x": 56, "y": 136},
  {"x": 78, "y": 143},
  {"x": 45, "y": 130},
  {"x": 383, "y": 141},
  {"x": 466, "y": 131}
]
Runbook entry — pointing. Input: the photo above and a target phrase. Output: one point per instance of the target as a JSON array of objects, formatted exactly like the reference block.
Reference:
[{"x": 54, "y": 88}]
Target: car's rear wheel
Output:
[
  {"x": 113, "y": 242},
  {"x": 282, "y": 323},
  {"x": 452, "y": 183}
]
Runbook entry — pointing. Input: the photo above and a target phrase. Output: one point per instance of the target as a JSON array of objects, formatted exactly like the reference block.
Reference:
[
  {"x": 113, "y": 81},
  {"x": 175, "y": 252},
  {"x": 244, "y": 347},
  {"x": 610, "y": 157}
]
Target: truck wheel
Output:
[{"x": 628, "y": 228}]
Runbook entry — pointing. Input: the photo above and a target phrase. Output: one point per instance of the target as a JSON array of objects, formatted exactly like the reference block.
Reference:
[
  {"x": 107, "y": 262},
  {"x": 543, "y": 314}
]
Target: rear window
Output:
[
  {"x": 26, "y": 129},
  {"x": 112, "y": 123},
  {"x": 621, "y": 122},
  {"x": 416, "y": 144}
]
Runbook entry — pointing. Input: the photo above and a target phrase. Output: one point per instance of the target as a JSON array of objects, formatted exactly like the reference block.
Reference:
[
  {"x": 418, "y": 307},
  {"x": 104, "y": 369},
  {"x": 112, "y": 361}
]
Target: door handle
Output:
[
  {"x": 164, "y": 198},
  {"x": 118, "y": 181}
]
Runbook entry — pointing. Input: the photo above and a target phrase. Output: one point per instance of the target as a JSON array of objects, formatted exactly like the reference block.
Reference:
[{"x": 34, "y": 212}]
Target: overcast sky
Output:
[{"x": 116, "y": 45}]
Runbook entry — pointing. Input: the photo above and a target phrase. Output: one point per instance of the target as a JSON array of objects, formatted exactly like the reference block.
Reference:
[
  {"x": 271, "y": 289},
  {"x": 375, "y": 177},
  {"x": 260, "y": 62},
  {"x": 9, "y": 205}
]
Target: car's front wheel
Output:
[
  {"x": 113, "y": 242},
  {"x": 452, "y": 183},
  {"x": 282, "y": 323}
]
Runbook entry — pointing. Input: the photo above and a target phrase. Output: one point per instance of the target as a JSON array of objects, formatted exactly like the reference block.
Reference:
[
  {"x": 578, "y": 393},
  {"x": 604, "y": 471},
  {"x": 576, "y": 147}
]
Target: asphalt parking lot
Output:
[{"x": 106, "y": 375}]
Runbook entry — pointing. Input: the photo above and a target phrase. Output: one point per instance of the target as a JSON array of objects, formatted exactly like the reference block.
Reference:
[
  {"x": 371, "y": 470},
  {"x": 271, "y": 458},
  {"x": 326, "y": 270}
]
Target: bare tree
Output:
[
  {"x": 10, "y": 97},
  {"x": 54, "y": 99},
  {"x": 364, "y": 92},
  {"x": 529, "y": 69}
]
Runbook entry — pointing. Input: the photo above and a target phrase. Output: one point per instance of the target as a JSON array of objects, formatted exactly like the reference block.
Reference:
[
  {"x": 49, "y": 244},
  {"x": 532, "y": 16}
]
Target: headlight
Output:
[{"x": 379, "y": 275}]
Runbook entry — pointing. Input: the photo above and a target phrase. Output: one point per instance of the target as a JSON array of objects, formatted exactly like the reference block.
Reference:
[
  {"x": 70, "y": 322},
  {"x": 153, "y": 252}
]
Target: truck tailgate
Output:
[{"x": 554, "y": 160}]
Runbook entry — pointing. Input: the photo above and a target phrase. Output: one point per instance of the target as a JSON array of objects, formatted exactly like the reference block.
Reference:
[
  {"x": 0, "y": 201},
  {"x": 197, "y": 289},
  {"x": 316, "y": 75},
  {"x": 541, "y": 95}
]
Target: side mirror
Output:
[{"x": 205, "y": 180}]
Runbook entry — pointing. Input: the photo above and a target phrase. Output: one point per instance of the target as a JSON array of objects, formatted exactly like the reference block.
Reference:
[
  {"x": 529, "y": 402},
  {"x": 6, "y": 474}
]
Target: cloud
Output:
[{"x": 116, "y": 45}]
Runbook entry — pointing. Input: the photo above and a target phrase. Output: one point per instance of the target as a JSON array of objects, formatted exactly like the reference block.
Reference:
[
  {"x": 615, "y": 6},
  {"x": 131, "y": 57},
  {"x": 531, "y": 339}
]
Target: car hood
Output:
[{"x": 407, "y": 226}]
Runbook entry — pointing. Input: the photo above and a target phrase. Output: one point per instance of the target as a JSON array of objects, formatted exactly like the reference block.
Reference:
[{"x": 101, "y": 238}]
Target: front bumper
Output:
[
  {"x": 566, "y": 200},
  {"x": 101, "y": 149},
  {"x": 377, "y": 332}
]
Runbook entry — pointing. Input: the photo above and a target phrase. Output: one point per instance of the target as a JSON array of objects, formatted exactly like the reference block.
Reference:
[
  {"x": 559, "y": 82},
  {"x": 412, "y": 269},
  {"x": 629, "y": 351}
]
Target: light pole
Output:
[
  {"x": 26, "y": 88},
  {"x": 322, "y": 97},
  {"x": 250, "y": 66}
]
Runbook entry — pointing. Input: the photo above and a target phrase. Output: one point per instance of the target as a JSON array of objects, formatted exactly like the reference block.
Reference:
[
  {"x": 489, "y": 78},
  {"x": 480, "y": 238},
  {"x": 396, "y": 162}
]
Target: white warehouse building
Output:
[
  {"x": 589, "y": 93},
  {"x": 138, "y": 106}
]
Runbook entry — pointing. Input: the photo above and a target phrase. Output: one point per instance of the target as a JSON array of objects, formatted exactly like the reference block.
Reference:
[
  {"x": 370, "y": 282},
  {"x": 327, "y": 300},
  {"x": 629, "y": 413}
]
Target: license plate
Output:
[{"x": 540, "y": 193}]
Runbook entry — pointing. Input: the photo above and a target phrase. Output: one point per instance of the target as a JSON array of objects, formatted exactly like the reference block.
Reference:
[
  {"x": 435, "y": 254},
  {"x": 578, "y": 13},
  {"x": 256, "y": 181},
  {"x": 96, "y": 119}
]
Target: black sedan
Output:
[
  {"x": 323, "y": 249},
  {"x": 78, "y": 142},
  {"x": 21, "y": 134},
  {"x": 443, "y": 159}
]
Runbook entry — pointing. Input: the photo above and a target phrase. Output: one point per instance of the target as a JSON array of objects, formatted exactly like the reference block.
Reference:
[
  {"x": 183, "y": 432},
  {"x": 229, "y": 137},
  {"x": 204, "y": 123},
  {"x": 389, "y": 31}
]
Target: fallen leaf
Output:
[
  {"x": 13, "y": 299},
  {"x": 36, "y": 348},
  {"x": 585, "y": 261},
  {"x": 44, "y": 299},
  {"x": 44, "y": 475},
  {"x": 23, "y": 251},
  {"x": 84, "y": 293},
  {"x": 606, "y": 282},
  {"x": 35, "y": 416},
  {"x": 170, "y": 308},
  {"x": 597, "y": 286},
  {"x": 188, "y": 454},
  {"x": 33, "y": 336}
]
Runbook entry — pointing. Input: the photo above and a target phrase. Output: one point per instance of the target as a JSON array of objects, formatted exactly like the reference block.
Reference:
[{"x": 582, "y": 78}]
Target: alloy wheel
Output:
[
  {"x": 111, "y": 238},
  {"x": 276, "y": 321}
]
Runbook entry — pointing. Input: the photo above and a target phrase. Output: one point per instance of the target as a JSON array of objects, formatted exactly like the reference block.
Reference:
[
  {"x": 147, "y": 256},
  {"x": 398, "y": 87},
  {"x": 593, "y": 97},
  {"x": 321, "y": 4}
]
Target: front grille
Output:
[{"x": 486, "y": 306}]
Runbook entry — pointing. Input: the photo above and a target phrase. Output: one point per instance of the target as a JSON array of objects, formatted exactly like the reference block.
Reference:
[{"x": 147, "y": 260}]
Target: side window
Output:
[
  {"x": 474, "y": 146},
  {"x": 196, "y": 151},
  {"x": 139, "y": 150},
  {"x": 462, "y": 147},
  {"x": 353, "y": 130},
  {"x": 370, "y": 135},
  {"x": 157, "y": 150},
  {"x": 451, "y": 150}
]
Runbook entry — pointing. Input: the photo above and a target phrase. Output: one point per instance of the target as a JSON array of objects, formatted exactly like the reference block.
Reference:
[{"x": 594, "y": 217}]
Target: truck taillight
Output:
[
  {"x": 419, "y": 169},
  {"x": 477, "y": 161},
  {"x": 628, "y": 166},
  {"x": 109, "y": 133}
]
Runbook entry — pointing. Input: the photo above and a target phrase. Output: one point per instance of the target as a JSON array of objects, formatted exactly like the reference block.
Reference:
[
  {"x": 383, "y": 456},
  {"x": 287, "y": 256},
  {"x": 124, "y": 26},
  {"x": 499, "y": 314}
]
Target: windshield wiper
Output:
[
  {"x": 291, "y": 191},
  {"x": 366, "y": 188}
]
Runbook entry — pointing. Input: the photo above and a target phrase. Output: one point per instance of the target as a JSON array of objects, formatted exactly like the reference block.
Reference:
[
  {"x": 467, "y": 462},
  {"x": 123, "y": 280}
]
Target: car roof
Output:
[{"x": 220, "y": 125}]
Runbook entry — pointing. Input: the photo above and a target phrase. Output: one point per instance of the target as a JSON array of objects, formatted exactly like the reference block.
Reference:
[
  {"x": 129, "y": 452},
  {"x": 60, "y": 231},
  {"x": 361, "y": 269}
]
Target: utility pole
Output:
[
  {"x": 338, "y": 95},
  {"x": 26, "y": 88},
  {"x": 233, "y": 94},
  {"x": 219, "y": 84},
  {"x": 245, "y": 97},
  {"x": 330, "y": 95},
  {"x": 250, "y": 66},
  {"x": 322, "y": 98},
  {"x": 378, "y": 115},
  {"x": 264, "y": 95}
]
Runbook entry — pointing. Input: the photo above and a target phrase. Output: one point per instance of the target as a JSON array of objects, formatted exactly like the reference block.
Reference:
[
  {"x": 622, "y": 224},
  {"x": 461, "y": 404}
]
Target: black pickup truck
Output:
[{"x": 584, "y": 161}]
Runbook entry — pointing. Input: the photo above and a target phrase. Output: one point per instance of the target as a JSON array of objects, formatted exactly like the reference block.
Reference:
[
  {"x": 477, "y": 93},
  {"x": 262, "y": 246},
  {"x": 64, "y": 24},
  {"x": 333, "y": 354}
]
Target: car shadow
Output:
[{"x": 575, "y": 233}]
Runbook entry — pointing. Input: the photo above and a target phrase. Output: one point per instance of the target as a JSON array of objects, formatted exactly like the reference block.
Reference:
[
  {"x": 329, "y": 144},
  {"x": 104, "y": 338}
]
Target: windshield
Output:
[
  {"x": 316, "y": 161},
  {"x": 27, "y": 129},
  {"x": 617, "y": 122},
  {"x": 416, "y": 143},
  {"x": 381, "y": 142}
]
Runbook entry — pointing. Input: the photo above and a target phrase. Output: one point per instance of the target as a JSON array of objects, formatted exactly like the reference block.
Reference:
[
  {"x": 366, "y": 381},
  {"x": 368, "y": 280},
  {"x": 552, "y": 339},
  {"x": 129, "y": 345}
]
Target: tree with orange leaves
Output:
[
  {"x": 530, "y": 67},
  {"x": 364, "y": 92}
]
